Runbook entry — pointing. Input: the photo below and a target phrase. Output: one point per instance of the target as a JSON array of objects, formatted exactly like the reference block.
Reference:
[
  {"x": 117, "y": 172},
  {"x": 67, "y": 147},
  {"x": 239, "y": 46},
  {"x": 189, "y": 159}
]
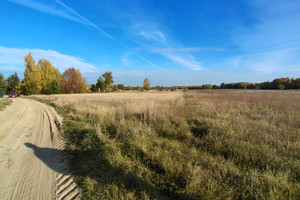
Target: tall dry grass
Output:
[{"x": 195, "y": 145}]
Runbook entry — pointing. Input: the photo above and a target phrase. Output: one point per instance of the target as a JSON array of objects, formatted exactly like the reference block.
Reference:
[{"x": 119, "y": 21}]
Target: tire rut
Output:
[{"x": 34, "y": 164}]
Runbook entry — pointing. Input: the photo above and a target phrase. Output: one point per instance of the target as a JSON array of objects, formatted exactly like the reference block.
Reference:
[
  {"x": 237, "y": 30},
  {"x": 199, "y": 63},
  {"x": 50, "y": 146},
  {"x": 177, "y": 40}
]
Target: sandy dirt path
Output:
[{"x": 32, "y": 163}]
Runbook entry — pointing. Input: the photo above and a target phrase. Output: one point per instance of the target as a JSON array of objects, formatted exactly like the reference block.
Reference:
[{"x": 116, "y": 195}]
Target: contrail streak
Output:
[{"x": 104, "y": 33}]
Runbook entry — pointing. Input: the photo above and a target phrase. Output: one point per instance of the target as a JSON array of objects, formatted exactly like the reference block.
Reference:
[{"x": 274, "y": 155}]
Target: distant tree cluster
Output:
[
  {"x": 10, "y": 84},
  {"x": 104, "y": 83},
  {"x": 43, "y": 78},
  {"x": 277, "y": 84},
  {"x": 3, "y": 84}
]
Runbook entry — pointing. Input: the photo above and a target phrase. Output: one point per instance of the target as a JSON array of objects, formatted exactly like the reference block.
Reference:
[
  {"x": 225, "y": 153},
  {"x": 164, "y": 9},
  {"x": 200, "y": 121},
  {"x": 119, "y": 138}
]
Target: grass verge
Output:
[{"x": 4, "y": 102}]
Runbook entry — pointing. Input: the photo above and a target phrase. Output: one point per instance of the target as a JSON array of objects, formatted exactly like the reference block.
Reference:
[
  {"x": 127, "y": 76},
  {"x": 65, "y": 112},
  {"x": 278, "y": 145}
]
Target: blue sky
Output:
[{"x": 171, "y": 42}]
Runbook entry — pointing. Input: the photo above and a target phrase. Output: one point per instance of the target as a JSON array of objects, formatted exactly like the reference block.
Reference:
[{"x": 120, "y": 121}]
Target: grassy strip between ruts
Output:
[
  {"x": 200, "y": 146},
  {"x": 4, "y": 102}
]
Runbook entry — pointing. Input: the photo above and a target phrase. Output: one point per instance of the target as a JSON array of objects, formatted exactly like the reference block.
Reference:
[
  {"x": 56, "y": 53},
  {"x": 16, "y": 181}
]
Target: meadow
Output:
[{"x": 213, "y": 144}]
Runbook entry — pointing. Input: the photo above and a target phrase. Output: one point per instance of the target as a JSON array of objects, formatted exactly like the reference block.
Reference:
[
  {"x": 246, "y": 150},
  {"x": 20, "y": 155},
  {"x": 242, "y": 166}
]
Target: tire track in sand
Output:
[{"x": 33, "y": 164}]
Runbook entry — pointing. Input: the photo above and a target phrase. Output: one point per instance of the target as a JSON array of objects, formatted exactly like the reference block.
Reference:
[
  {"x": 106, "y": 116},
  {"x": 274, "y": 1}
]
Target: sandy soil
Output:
[{"x": 32, "y": 162}]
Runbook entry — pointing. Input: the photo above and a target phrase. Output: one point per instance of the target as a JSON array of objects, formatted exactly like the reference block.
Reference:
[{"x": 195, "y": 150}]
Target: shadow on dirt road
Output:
[{"x": 48, "y": 156}]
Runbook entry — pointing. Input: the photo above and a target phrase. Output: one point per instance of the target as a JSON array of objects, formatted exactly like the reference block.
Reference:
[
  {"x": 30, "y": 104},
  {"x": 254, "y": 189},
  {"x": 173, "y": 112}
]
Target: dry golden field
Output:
[{"x": 214, "y": 144}]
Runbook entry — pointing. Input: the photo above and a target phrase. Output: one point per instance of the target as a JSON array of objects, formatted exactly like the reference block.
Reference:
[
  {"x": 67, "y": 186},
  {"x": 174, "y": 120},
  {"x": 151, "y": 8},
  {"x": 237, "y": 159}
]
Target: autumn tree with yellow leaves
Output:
[
  {"x": 50, "y": 77},
  {"x": 32, "y": 83},
  {"x": 43, "y": 78},
  {"x": 146, "y": 84}
]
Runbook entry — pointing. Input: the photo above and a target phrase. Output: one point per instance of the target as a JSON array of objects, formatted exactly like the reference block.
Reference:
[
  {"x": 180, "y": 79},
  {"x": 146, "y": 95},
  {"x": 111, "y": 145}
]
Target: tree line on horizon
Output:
[
  {"x": 105, "y": 84},
  {"x": 276, "y": 84},
  {"x": 43, "y": 78}
]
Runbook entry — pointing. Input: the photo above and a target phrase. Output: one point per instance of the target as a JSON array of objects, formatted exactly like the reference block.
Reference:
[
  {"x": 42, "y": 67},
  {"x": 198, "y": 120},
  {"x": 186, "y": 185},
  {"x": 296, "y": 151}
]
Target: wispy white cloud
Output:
[
  {"x": 272, "y": 44},
  {"x": 184, "y": 49},
  {"x": 178, "y": 55},
  {"x": 48, "y": 7},
  {"x": 157, "y": 41},
  {"x": 125, "y": 61},
  {"x": 14, "y": 57},
  {"x": 234, "y": 62},
  {"x": 186, "y": 60},
  {"x": 280, "y": 60},
  {"x": 153, "y": 35}
]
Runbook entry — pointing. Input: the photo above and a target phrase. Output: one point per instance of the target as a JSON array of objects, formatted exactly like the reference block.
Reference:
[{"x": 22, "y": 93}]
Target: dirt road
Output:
[{"x": 32, "y": 163}]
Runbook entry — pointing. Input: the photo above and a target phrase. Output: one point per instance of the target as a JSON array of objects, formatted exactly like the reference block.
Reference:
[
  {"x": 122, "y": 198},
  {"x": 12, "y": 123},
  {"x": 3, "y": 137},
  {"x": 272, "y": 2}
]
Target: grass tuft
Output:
[{"x": 4, "y": 102}]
